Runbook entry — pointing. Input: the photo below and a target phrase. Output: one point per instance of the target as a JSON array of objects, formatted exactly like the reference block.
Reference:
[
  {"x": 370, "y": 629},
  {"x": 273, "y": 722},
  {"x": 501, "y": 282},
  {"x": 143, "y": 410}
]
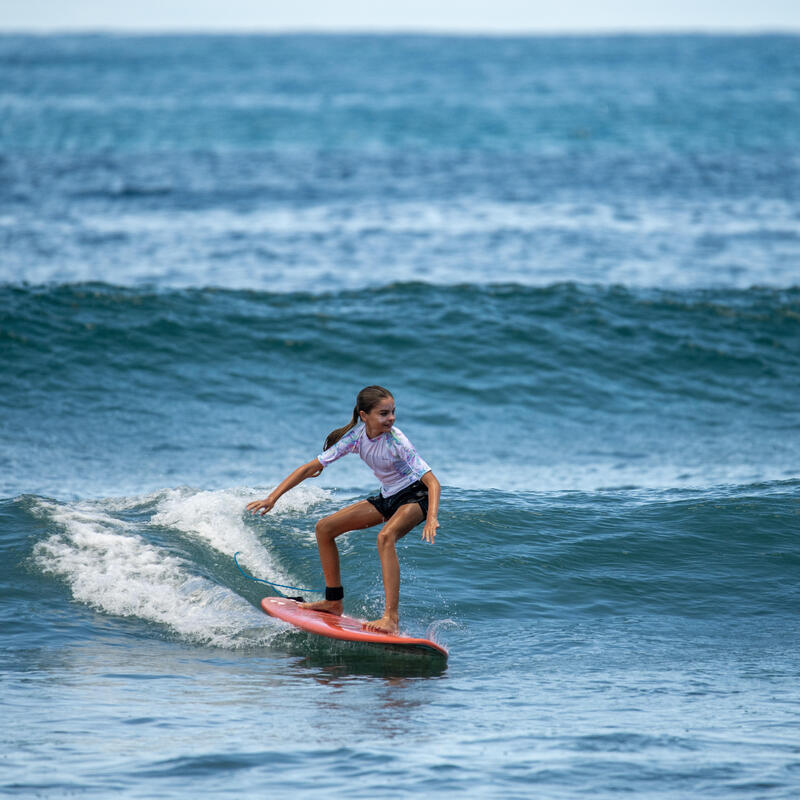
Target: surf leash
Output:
[{"x": 276, "y": 586}]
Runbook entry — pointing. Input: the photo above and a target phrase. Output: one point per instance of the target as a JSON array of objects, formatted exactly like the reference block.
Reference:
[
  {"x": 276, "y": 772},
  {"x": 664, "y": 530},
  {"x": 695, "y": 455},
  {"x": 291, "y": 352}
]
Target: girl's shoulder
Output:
[
  {"x": 349, "y": 443},
  {"x": 355, "y": 433},
  {"x": 397, "y": 437}
]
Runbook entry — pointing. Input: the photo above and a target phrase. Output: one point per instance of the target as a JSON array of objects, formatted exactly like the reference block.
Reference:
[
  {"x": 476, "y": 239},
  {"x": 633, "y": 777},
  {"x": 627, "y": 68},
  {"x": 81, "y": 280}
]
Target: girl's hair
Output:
[{"x": 367, "y": 399}]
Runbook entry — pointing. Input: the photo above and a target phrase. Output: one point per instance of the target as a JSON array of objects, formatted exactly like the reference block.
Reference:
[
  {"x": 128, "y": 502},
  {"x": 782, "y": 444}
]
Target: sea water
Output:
[{"x": 575, "y": 262}]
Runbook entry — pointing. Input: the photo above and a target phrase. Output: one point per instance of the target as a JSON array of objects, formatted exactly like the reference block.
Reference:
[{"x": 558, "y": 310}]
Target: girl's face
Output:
[{"x": 380, "y": 418}]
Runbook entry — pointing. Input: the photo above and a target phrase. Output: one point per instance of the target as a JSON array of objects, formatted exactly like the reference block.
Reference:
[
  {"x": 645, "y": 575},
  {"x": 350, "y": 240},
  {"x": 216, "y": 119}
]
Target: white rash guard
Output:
[{"x": 390, "y": 456}]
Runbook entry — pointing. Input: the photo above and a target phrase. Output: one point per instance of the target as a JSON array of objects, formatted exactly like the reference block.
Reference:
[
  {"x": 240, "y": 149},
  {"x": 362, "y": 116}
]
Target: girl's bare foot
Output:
[
  {"x": 386, "y": 624},
  {"x": 331, "y": 606}
]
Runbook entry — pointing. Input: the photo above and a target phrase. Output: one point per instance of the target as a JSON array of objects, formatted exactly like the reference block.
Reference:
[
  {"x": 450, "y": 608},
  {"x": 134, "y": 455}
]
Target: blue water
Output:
[{"x": 576, "y": 263}]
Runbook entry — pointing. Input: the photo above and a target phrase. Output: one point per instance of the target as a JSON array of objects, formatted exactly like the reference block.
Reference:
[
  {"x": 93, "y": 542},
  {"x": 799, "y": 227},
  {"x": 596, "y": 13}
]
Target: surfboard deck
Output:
[{"x": 344, "y": 628}]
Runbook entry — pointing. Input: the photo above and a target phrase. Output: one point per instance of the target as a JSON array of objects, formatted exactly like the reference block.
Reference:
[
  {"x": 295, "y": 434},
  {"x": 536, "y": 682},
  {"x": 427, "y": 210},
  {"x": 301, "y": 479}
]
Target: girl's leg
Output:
[
  {"x": 352, "y": 518},
  {"x": 403, "y": 520}
]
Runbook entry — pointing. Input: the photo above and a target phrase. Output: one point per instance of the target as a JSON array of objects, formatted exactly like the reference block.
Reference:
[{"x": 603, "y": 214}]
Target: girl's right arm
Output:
[{"x": 310, "y": 470}]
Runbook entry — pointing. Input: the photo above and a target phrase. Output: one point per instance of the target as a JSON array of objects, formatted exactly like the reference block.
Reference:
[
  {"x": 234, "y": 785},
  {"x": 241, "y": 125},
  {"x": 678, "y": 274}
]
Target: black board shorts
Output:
[{"x": 417, "y": 492}]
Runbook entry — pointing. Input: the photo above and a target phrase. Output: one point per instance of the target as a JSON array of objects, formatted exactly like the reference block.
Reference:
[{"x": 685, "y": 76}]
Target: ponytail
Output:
[
  {"x": 334, "y": 436},
  {"x": 367, "y": 399}
]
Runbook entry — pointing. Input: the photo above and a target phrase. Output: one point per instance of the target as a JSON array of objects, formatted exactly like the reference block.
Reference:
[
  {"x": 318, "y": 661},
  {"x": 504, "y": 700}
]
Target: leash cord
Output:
[{"x": 269, "y": 583}]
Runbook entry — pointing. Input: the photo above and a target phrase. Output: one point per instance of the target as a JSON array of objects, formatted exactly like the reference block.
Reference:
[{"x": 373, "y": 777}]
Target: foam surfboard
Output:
[{"x": 347, "y": 629}]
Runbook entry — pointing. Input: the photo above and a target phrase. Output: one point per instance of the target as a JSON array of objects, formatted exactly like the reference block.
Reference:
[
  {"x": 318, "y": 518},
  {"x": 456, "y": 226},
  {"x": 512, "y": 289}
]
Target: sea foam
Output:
[{"x": 111, "y": 567}]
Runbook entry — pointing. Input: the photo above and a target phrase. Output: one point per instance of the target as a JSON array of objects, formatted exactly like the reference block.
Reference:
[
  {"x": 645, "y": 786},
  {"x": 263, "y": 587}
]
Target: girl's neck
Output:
[{"x": 372, "y": 435}]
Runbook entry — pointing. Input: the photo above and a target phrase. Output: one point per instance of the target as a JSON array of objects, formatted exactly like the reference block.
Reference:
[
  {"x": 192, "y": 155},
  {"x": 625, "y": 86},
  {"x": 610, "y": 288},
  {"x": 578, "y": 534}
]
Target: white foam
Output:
[
  {"x": 634, "y": 242},
  {"x": 108, "y": 566},
  {"x": 217, "y": 518},
  {"x": 457, "y": 219}
]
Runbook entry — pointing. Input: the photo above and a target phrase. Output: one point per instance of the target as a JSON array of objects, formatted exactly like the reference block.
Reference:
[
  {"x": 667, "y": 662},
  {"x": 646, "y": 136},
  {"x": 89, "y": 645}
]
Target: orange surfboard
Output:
[{"x": 344, "y": 628}]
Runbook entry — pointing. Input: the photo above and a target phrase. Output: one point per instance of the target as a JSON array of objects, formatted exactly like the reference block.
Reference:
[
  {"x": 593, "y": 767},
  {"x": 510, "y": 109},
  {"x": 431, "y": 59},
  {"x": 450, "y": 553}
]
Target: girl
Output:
[{"x": 409, "y": 493}]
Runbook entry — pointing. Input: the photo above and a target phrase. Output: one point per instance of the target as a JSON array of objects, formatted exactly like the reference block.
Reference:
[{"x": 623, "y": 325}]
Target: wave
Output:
[
  {"x": 569, "y": 386},
  {"x": 34, "y": 313},
  {"x": 162, "y": 559},
  {"x": 165, "y": 560},
  {"x": 566, "y": 340},
  {"x": 727, "y": 553}
]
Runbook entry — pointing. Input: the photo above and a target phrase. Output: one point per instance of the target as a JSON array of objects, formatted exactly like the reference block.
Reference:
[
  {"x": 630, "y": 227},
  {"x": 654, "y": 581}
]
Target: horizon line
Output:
[{"x": 693, "y": 30}]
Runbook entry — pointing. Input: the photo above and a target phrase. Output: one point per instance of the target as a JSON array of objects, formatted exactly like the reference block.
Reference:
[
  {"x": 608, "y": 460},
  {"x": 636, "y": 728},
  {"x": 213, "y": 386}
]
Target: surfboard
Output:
[{"x": 347, "y": 629}]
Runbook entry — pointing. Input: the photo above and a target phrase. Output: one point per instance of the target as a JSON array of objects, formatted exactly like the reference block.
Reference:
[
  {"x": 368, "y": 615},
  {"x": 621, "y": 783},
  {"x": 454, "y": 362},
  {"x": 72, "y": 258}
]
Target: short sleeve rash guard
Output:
[{"x": 390, "y": 456}]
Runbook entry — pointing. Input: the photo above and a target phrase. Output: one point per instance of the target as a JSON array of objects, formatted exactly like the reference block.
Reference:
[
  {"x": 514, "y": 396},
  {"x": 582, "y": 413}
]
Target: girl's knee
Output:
[
  {"x": 324, "y": 529},
  {"x": 386, "y": 538}
]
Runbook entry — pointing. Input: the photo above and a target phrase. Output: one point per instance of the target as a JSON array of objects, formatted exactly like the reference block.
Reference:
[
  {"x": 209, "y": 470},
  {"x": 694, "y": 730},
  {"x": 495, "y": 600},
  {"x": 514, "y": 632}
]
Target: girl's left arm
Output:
[{"x": 434, "y": 491}]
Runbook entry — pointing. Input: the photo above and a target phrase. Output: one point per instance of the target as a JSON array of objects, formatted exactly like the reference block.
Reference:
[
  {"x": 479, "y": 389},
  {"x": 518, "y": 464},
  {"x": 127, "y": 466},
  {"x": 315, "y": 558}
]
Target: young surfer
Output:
[{"x": 409, "y": 494}]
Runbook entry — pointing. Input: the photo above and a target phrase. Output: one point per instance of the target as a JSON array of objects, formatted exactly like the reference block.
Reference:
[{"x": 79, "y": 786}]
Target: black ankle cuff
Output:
[{"x": 334, "y": 592}]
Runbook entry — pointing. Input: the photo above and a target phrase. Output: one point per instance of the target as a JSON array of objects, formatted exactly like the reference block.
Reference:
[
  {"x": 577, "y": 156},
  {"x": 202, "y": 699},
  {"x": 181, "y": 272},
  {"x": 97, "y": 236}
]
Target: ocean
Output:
[{"x": 575, "y": 261}]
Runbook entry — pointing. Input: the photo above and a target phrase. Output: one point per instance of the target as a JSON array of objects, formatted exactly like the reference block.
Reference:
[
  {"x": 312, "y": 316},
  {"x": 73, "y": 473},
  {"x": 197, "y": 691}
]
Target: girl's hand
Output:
[
  {"x": 429, "y": 532},
  {"x": 310, "y": 470},
  {"x": 261, "y": 505}
]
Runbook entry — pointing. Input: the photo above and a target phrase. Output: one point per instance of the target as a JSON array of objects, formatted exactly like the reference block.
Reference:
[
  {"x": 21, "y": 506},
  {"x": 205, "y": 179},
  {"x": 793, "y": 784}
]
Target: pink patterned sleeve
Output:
[{"x": 347, "y": 444}]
